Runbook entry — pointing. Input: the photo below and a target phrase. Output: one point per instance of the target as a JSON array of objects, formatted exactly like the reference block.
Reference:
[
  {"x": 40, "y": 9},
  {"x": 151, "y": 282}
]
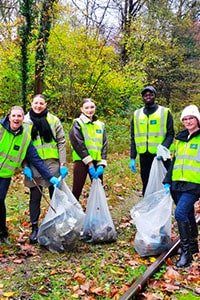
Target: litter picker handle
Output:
[{"x": 45, "y": 197}]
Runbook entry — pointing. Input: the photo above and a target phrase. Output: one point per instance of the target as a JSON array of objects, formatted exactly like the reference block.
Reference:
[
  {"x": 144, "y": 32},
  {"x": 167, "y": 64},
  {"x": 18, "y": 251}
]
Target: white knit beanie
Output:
[{"x": 190, "y": 110}]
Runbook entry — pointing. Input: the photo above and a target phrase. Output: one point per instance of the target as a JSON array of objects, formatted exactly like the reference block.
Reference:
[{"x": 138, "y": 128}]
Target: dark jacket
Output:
[
  {"x": 148, "y": 110},
  {"x": 31, "y": 155},
  {"x": 182, "y": 186}
]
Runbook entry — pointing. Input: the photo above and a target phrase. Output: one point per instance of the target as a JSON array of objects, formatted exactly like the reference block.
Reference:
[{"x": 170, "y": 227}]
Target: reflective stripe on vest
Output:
[
  {"x": 93, "y": 139},
  {"x": 187, "y": 163},
  {"x": 47, "y": 150},
  {"x": 13, "y": 151},
  {"x": 150, "y": 131}
]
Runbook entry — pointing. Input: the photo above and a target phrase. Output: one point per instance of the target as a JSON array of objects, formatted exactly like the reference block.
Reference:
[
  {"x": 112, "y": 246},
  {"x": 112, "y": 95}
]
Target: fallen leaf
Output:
[
  {"x": 171, "y": 287},
  {"x": 18, "y": 261},
  {"x": 171, "y": 274},
  {"x": 86, "y": 286},
  {"x": 132, "y": 263},
  {"x": 53, "y": 272},
  {"x": 193, "y": 278},
  {"x": 43, "y": 292},
  {"x": 22, "y": 237},
  {"x": 80, "y": 293},
  {"x": 152, "y": 259},
  {"x": 8, "y": 294},
  {"x": 25, "y": 224},
  {"x": 80, "y": 277},
  {"x": 169, "y": 261},
  {"x": 96, "y": 290}
]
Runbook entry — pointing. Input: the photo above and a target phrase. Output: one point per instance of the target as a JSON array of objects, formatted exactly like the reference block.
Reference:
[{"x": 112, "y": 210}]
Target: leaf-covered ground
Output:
[{"x": 90, "y": 271}]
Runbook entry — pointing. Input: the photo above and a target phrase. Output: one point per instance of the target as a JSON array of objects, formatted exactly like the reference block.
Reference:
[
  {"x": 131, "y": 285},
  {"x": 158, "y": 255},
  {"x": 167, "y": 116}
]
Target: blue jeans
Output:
[{"x": 184, "y": 211}]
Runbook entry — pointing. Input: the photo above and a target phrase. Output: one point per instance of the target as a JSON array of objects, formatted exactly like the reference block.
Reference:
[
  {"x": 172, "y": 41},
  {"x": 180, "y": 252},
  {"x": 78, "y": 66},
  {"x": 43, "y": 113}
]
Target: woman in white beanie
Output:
[{"x": 183, "y": 180}]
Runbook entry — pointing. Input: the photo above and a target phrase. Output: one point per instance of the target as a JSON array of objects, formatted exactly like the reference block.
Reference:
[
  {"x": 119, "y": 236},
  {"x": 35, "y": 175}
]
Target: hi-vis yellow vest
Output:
[
  {"x": 47, "y": 150},
  {"x": 187, "y": 163},
  {"x": 150, "y": 131},
  {"x": 93, "y": 139},
  {"x": 13, "y": 151}
]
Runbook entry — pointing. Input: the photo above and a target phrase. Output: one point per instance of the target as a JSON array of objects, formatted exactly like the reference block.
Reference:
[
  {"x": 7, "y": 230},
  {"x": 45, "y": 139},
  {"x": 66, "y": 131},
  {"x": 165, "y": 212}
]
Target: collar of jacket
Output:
[
  {"x": 6, "y": 124},
  {"x": 85, "y": 119},
  {"x": 183, "y": 135},
  {"x": 150, "y": 109}
]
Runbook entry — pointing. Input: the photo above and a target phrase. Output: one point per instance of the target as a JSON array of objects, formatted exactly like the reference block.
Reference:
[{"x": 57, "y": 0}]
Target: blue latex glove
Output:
[
  {"x": 28, "y": 173},
  {"x": 159, "y": 157},
  {"x": 55, "y": 181},
  {"x": 63, "y": 172},
  {"x": 167, "y": 188},
  {"x": 100, "y": 171},
  {"x": 132, "y": 166},
  {"x": 92, "y": 172}
]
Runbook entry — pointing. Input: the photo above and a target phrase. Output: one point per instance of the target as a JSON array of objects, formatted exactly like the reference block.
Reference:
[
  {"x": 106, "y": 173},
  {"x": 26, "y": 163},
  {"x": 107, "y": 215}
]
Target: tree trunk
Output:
[
  {"x": 24, "y": 33},
  {"x": 128, "y": 13},
  {"x": 44, "y": 32}
]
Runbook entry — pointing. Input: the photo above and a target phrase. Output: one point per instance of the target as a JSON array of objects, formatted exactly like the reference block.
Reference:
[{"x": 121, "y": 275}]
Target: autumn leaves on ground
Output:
[{"x": 90, "y": 271}]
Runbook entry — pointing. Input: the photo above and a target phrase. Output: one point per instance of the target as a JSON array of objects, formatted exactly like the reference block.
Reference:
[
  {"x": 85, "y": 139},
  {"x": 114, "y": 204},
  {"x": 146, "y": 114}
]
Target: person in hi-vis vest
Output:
[
  {"x": 15, "y": 147},
  {"x": 48, "y": 137},
  {"x": 89, "y": 143},
  {"x": 183, "y": 180},
  {"x": 151, "y": 125}
]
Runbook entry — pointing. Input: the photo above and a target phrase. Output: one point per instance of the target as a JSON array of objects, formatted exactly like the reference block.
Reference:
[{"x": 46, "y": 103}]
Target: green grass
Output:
[{"x": 105, "y": 268}]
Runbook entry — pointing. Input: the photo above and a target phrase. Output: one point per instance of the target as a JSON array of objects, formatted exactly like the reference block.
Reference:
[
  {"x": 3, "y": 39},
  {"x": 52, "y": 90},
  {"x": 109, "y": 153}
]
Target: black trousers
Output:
[
  {"x": 146, "y": 160},
  {"x": 80, "y": 172},
  {"x": 4, "y": 186},
  {"x": 35, "y": 200}
]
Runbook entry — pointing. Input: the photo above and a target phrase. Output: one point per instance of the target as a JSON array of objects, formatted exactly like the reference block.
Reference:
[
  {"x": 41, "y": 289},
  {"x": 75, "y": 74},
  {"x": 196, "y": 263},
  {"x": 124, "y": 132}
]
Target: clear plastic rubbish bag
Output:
[
  {"x": 156, "y": 176},
  {"x": 98, "y": 226},
  {"x": 163, "y": 151},
  {"x": 60, "y": 231},
  {"x": 152, "y": 216}
]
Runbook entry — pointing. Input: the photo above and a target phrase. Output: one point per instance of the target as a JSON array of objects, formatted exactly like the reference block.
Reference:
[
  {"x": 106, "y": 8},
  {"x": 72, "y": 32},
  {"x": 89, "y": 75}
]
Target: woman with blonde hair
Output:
[{"x": 15, "y": 147}]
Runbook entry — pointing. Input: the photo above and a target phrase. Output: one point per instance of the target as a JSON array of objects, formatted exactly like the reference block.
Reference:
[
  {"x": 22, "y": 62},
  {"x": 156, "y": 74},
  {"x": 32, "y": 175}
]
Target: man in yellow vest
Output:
[
  {"x": 15, "y": 146},
  {"x": 151, "y": 125}
]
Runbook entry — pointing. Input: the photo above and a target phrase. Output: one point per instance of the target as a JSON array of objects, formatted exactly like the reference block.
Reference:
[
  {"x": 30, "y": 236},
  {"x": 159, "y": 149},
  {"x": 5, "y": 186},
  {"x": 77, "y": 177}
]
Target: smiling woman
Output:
[
  {"x": 16, "y": 117},
  {"x": 183, "y": 179},
  {"x": 191, "y": 118},
  {"x": 15, "y": 147},
  {"x": 89, "y": 141},
  {"x": 48, "y": 137}
]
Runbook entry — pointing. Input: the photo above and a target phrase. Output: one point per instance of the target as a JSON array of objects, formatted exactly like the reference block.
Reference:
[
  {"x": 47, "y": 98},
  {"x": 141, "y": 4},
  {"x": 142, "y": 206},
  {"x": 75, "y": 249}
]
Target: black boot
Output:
[
  {"x": 194, "y": 247},
  {"x": 4, "y": 236},
  {"x": 33, "y": 236},
  {"x": 185, "y": 257}
]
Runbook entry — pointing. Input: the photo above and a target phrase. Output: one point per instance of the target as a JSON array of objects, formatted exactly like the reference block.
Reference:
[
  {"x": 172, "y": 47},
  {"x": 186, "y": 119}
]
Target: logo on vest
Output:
[
  {"x": 98, "y": 130},
  {"x": 16, "y": 147},
  {"x": 153, "y": 122},
  {"x": 194, "y": 146}
]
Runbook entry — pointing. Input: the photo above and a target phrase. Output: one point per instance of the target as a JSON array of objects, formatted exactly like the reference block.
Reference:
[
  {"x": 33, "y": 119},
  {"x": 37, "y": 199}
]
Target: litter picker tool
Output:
[{"x": 45, "y": 197}]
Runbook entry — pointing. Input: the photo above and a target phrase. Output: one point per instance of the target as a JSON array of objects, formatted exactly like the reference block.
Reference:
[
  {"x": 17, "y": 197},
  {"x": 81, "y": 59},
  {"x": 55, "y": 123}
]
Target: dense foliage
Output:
[{"x": 155, "y": 44}]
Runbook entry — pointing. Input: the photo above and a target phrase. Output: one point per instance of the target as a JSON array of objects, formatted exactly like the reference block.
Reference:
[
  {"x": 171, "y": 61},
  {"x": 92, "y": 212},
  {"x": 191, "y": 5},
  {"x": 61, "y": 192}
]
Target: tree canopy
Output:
[{"x": 107, "y": 50}]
